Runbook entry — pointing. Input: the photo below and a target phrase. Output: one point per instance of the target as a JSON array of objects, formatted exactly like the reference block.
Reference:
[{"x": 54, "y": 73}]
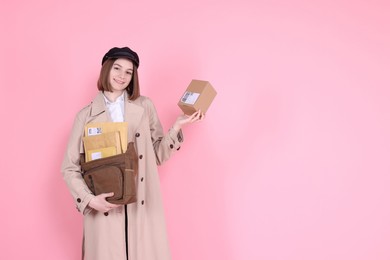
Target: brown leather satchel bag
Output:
[{"x": 113, "y": 174}]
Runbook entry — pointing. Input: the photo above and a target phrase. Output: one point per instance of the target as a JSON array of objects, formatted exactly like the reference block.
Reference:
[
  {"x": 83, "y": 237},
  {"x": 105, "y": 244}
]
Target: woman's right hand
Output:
[{"x": 100, "y": 203}]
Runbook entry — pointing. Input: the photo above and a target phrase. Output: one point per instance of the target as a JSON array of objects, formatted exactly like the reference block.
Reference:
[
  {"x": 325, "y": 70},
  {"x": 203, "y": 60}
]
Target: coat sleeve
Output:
[
  {"x": 164, "y": 144},
  {"x": 71, "y": 169}
]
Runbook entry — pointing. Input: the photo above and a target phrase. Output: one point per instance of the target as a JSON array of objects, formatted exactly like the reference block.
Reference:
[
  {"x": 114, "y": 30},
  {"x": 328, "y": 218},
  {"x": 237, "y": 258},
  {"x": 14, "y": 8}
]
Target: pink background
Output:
[{"x": 292, "y": 162}]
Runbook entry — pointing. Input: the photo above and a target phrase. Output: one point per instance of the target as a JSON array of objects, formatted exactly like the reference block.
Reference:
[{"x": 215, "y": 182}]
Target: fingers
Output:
[
  {"x": 194, "y": 115},
  {"x": 107, "y": 195},
  {"x": 188, "y": 119},
  {"x": 107, "y": 206},
  {"x": 99, "y": 203},
  {"x": 202, "y": 116},
  {"x": 197, "y": 116}
]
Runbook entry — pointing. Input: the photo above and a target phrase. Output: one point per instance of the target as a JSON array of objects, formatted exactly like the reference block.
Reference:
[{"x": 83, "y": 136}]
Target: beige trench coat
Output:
[{"x": 104, "y": 234}]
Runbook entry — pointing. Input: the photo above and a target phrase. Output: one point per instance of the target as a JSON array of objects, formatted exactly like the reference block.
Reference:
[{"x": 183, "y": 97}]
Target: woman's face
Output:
[{"x": 121, "y": 74}]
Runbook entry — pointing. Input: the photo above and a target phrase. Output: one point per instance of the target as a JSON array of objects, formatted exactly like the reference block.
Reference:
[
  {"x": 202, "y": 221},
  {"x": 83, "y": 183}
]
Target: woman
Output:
[{"x": 135, "y": 231}]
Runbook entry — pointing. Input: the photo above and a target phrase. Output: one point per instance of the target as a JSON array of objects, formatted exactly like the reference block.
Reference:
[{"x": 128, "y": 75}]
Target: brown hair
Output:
[{"x": 103, "y": 84}]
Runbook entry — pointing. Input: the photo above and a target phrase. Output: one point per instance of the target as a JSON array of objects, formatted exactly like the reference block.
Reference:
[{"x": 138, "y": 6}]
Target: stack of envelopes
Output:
[{"x": 104, "y": 139}]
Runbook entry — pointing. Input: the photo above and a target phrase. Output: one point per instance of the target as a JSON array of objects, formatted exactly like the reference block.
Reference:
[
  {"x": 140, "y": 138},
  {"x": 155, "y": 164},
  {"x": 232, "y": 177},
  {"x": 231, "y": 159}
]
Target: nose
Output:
[{"x": 122, "y": 74}]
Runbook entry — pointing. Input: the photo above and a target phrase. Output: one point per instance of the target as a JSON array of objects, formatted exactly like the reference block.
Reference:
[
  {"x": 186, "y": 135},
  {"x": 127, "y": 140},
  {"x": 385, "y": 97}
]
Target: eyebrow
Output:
[{"x": 121, "y": 66}]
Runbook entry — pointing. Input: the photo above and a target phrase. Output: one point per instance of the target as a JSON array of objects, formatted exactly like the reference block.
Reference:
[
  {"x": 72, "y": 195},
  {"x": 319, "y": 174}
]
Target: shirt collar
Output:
[{"x": 119, "y": 99}]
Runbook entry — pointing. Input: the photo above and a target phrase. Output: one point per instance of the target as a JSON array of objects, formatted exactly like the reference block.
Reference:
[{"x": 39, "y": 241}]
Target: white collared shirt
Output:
[{"x": 116, "y": 109}]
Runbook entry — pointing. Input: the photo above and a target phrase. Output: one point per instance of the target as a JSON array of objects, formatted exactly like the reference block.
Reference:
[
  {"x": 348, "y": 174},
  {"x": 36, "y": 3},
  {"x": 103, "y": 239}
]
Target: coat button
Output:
[
  {"x": 137, "y": 135},
  {"x": 171, "y": 146},
  {"x": 142, "y": 202},
  {"x": 78, "y": 200},
  {"x": 142, "y": 179},
  {"x": 105, "y": 213},
  {"x": 141, "y": 156}
]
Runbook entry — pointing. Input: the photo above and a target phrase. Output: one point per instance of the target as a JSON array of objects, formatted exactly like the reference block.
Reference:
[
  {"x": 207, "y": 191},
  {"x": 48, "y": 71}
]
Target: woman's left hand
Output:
[{"x": 184, "y": 120}]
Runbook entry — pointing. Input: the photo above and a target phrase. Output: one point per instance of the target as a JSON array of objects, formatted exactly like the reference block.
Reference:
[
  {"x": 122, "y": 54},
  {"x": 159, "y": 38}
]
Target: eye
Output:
[
  {"x": 116, "y": 68},
  {"x": 129, "y": 72}
]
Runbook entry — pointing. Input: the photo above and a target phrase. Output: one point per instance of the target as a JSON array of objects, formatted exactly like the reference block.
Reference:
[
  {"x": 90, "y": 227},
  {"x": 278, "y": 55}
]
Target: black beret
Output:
[{"x": 124, "y": 52}]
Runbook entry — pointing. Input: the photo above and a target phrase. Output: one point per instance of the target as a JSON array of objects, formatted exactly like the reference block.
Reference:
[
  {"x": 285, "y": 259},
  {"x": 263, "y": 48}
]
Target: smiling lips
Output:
[{"x": 119, "y": 81}]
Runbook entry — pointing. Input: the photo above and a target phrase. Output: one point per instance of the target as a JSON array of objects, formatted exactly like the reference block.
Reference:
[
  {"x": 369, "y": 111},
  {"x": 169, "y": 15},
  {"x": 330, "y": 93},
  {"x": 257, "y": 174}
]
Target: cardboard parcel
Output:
[{"x": 198, "y": 96}]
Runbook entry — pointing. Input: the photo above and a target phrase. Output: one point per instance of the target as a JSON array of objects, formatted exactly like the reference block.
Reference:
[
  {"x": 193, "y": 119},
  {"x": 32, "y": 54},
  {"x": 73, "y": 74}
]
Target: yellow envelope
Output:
[
  {"x": 110, "y": 139},
  {"x": 96, "y": 128},
  {"x": 100, "y": 153}
]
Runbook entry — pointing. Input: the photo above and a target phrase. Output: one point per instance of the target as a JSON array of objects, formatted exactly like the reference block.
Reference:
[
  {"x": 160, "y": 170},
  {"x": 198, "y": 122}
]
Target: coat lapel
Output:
[
  {"x": 98, "y": 110},
  {"x": 133, "y": 116}
]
